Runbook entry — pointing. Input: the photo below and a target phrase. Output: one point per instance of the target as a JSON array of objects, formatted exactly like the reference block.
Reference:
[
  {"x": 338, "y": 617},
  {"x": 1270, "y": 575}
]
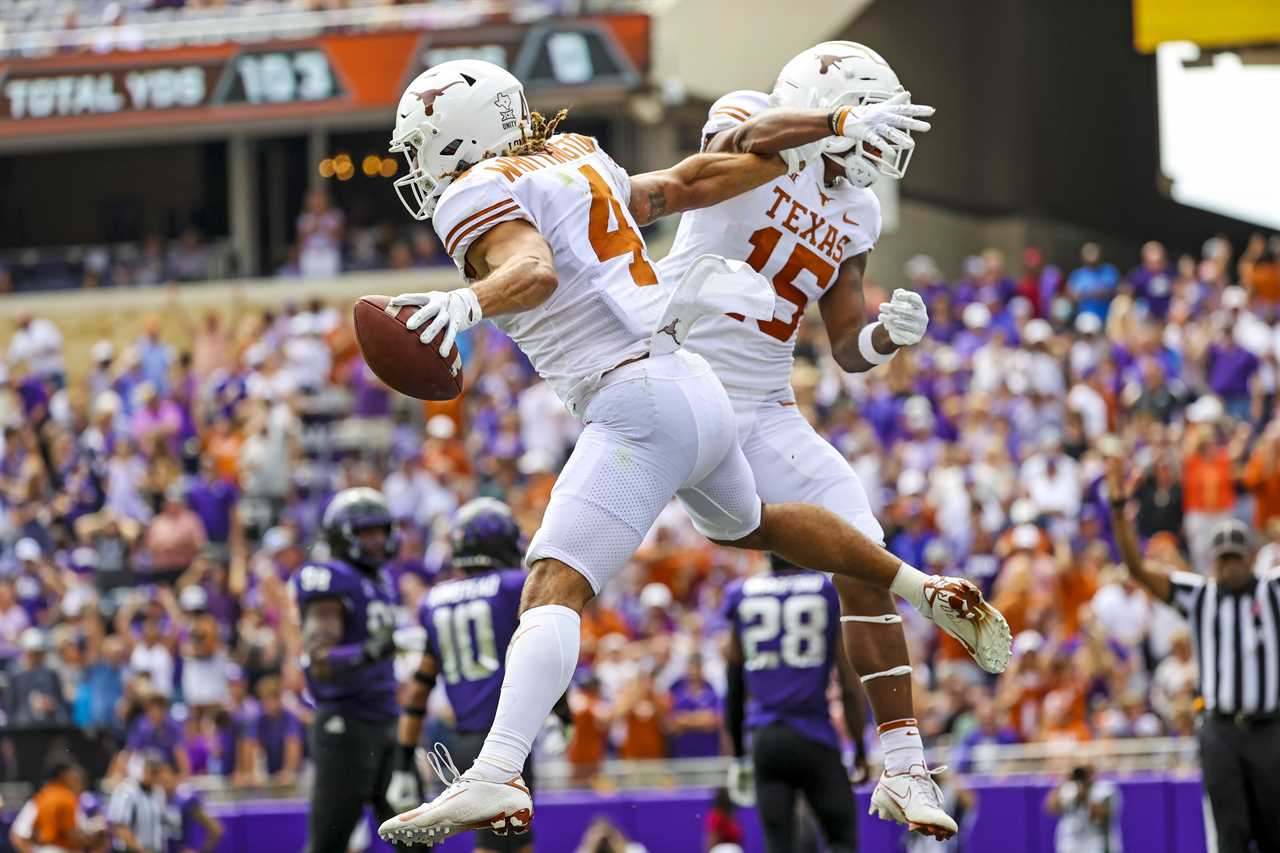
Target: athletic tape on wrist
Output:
[
  {"x": 868, "y": 349},
  {"x": 885, "y": 619},
  {"x": 905, "y": 669}
]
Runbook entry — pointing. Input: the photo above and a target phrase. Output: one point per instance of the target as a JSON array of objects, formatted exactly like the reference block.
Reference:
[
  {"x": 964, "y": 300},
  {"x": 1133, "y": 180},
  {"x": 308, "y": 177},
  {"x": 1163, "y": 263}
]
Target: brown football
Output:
[{"x": 399, "y": 359}]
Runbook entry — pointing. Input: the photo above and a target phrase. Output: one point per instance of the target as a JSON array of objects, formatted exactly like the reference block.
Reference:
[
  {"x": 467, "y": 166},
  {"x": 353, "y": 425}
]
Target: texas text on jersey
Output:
[{"x": 794, "y": 231}]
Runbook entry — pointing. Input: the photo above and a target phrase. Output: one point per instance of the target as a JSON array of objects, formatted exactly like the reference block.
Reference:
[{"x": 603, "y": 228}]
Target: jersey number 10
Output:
[{"x": 463, "y": 658}]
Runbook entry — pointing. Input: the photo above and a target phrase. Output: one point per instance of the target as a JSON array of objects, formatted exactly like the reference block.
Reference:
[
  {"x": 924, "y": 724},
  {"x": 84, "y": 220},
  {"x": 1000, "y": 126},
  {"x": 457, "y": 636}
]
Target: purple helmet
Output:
[
  {"x": 351, "y": 511},
  {"x": 485, "y": 536}
]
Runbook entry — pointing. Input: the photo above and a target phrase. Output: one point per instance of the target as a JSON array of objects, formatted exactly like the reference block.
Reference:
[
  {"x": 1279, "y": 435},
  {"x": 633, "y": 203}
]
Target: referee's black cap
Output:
[{"x": 1230, "y": 538}]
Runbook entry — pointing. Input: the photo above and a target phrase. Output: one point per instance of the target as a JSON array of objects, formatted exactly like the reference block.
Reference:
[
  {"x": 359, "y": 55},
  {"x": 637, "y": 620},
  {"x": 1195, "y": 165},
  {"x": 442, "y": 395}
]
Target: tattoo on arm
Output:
[{"x": 657, "y": 202}]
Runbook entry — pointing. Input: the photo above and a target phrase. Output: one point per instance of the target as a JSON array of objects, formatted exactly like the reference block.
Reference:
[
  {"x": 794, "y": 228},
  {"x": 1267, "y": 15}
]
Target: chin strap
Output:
[
  {"x": 905, "y": 669},
  {"x": 886, "y": 619}
]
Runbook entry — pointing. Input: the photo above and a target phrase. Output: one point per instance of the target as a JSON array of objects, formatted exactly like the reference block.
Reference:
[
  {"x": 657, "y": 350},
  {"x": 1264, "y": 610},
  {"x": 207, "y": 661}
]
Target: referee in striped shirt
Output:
[{"x": 1234, "y": 619}]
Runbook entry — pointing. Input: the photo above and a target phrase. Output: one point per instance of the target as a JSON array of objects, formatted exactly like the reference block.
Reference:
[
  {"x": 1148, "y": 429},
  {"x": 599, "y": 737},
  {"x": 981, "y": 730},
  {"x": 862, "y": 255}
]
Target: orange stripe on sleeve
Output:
[
  {"x": 510, "y": 207},
  {"x": 732, "y": 112},
  {"x": 448, "y": 239}
]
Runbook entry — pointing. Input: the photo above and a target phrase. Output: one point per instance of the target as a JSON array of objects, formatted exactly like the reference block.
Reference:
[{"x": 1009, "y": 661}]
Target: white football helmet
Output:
[
  {"x": 451, "y": 116},
  {"x": 840, "y": 73}
]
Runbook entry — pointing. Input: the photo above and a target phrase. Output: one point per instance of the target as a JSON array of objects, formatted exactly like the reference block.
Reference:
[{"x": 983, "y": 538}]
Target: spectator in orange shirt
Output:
[
  {"x": 599, "y": 620},
  {"x": 1208, "y": 483},
  {"x": 56, "y": 812},
  {"x": 1261, "y": 477},
  {"x": 223, "y": 447},
  {"x": 643, "y": 712},
  {"x": 591, "y": 717}
]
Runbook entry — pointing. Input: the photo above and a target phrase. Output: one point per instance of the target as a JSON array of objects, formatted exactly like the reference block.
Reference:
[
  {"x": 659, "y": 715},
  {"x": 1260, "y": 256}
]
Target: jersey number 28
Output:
[{"x": 801, "y": 620}]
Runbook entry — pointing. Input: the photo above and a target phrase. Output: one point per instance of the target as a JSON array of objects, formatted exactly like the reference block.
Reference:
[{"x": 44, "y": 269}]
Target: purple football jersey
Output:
[
  {"x": 787, "y": 624},
  {"x": 469, "y": 623},
  {"x": 182, "y": 829},
  {"x": 368, "y": 691}
]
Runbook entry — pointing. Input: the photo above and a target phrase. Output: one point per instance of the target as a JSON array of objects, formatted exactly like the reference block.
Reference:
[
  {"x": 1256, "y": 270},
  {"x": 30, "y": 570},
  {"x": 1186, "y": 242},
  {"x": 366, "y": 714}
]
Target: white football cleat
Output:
[
  {"x": 467, "y": 804},
  {"x": 956, "y": 606},
  {"x": 913, "y": 798}
]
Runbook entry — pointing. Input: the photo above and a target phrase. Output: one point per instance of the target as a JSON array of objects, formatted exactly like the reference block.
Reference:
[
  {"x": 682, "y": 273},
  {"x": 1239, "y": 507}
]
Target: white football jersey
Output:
[
  {"x": 793, "y": 231},
  {"x": 608, "y": 300}
]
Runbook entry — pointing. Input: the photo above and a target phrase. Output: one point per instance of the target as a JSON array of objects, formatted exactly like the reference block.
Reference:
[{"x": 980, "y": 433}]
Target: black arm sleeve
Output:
[{"x": 734, "y": 702}]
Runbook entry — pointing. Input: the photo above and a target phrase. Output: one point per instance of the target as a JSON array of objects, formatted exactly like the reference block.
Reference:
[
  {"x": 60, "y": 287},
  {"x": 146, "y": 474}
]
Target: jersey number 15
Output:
[{"x": 763, "y": 242}]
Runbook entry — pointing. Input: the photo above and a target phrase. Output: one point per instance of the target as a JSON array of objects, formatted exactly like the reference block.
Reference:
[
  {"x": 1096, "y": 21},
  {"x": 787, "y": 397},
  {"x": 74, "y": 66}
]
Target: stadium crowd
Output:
[{"x": 153, "y": 504}]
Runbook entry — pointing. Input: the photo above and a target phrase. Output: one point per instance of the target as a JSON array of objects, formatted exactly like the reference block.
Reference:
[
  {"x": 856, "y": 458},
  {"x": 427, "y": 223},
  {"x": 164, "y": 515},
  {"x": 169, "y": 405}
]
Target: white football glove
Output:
[
  {"x": 454, "y": 311},
  {"x": 742, "y": 782},
  {"x": 403, "y": 792},
  {"x": 904, "y": 317},
  {"x": 886, "y": 120}
]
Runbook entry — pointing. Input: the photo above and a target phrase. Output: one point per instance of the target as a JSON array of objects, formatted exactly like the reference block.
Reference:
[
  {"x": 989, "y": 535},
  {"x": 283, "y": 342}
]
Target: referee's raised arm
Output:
[{"x": 1155, "y": 580}]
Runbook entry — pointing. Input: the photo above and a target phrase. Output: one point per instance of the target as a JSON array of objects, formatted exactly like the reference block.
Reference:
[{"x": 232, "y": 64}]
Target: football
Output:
[{"x": 399, "y": 358}]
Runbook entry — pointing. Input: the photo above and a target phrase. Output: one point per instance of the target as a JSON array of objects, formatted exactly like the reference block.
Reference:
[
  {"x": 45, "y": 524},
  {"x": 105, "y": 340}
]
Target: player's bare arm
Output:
[
  {"x": 856, "y": 345},
  {"x": 701, "y": 180},
  {"x": 322, "y": 624},
  {"x": 514, "y": 266},
  {"x": 514, "y": 270},
  {"x": 735, "y": 700},
  {"x": 844, "y": 313},
  {"x": 409, "y": 729},
  {"x": 773, "y": 131},
  {"x": 854, "y": 705},
  {"x": 1153, "y": 579}
]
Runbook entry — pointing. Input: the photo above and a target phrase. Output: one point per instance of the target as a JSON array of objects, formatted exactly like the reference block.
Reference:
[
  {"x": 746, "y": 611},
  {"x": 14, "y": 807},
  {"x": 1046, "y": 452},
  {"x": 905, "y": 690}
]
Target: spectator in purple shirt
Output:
[
  {"x": 275, "y": 737},
  {"x": 188, "y": 825},
  {"x": 155, "y": 416},
  {"x": 1153, "y": 279},
  {"x": 989, "y": 731},
  {"x": 156, "y": 730},
  {"x": 695, "y": 715},
  {"x": 1231, "y": 370},
  {"x": 213, "y": 499}
]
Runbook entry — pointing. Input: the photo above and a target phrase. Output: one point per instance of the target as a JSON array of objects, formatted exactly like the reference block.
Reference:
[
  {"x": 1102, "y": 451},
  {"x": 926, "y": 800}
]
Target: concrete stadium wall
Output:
[{"x": 118, "y": 315}]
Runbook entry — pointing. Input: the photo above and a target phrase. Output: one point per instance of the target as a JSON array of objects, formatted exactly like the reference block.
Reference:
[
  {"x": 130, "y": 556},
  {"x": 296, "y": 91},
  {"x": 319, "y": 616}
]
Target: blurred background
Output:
[{"x": 192, "y": 193}]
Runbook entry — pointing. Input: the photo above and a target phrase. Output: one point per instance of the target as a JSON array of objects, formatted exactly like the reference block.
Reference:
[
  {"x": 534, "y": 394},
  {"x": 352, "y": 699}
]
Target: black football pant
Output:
[
  {"x": 353, "y": 763},
  {"x": 1240, "y": 763},
  {"x": 788, "y": 764}
]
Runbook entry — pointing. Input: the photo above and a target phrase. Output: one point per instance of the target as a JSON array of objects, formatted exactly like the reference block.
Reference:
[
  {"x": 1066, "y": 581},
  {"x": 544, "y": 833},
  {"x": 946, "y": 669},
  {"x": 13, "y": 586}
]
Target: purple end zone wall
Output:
[{"x": 1160, "y": 815}]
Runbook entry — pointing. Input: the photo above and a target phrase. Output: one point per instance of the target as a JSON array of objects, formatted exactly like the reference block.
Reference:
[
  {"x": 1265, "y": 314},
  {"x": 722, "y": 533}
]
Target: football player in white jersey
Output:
[
  {"x": 544, "y": 227},
  {"x": 811, "y": 233}
]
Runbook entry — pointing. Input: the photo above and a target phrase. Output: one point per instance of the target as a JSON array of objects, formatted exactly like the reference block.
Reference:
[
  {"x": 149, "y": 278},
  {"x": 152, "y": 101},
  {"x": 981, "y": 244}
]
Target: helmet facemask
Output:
[
  {"x": 418, "y": 189},
  {"x": 862, "y": 163}
]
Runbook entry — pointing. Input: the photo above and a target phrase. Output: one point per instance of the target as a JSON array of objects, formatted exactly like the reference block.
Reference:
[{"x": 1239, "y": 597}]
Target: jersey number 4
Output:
[
  {"x": 621, "y": 240},
  {"x": 763, "y": 242}
]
